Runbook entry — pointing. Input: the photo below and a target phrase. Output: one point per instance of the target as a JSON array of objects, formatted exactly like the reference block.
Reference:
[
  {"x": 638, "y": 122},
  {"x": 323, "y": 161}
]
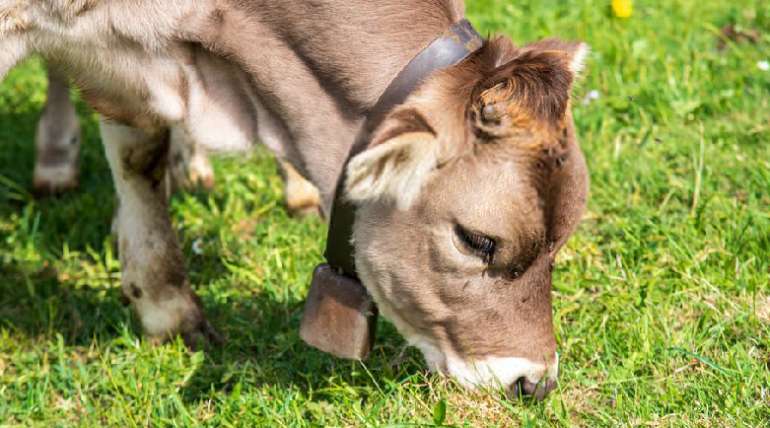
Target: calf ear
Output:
[
  {"x": 567, "y": 192},
  {"x": 403, "y": 152},
  {"x": 575, "y": 52},
  {"x": 535, "y": 84}
]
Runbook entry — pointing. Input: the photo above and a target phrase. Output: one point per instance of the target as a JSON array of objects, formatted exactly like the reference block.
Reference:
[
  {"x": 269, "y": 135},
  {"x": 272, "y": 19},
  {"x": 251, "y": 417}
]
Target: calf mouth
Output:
[{"x": 517, "y": 377}]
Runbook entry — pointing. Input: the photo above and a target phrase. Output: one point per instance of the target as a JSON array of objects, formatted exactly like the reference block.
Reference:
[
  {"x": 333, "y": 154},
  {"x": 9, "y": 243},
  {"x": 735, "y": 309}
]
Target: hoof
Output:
[
  {"x": 203, "y": 337},
  {"x": 197, "y": 175},
  {"x": 50, "y": 183},
  {"x": 310, "y": 210},
  {"x": 302, "y": 199}
]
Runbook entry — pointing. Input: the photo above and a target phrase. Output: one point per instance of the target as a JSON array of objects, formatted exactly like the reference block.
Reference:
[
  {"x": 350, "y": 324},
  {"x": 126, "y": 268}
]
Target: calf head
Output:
[{"x": 465, "y": 195}]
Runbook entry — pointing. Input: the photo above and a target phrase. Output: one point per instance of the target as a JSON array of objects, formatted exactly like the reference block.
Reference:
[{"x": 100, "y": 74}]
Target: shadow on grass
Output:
[
  {"x": 81, "y": 218},
  {"x": 264, "y": 349},
  {"x": 37, "y": 305},
  {"x": 36, "y": 232},
  {"x": 263, "y": 345}
]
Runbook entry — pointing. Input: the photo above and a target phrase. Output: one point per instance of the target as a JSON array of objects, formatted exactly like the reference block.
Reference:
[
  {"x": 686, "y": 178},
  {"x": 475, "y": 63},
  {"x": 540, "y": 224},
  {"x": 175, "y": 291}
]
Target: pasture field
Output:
[{"x": 662, "y": 298}]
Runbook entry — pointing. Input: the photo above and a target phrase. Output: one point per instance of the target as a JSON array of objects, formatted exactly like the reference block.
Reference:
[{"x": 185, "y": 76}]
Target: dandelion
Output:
[{"x": 622, "y": 8}]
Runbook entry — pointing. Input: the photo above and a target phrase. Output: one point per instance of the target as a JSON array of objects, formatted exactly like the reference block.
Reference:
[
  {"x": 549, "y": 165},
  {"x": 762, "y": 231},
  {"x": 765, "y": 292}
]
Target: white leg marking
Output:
[{"x": 153, "y": 276}]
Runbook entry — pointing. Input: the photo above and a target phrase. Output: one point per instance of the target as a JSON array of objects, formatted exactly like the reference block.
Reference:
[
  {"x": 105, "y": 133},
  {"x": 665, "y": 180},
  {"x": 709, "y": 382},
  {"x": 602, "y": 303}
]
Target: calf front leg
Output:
[
  {"x": 57, "y": 141},
  {"x": 153, "y": 277}
]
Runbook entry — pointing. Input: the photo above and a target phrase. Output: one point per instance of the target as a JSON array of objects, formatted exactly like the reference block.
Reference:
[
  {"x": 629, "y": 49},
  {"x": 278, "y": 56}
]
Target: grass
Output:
[{"x": 661, "y": 300}]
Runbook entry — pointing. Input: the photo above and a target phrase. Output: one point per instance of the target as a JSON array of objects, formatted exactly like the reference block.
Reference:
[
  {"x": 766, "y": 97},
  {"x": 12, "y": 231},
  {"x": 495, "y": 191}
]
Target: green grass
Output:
[{"x": 662, "y": 298}]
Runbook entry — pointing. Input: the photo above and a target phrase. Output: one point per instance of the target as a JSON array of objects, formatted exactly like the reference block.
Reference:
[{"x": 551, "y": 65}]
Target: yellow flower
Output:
[{"x": 622, "y": 8}]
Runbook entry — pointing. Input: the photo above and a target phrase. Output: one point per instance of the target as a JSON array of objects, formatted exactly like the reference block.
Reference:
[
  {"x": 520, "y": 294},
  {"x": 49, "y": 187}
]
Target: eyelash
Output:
[{"x": 482, "y": 246}]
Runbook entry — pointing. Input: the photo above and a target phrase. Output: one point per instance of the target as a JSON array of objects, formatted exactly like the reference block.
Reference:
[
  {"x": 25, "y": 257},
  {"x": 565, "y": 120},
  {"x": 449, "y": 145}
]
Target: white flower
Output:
[
  {"x": 591, "y": 97},
  {"x": 763, "y": 65},
  {"x": 197, "y": 246}
]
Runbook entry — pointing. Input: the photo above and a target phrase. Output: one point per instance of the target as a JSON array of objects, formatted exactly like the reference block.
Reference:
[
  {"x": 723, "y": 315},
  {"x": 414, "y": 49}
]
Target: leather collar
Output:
[
  {"x": 455, "y": 45},
  {"x": 339, "y": 316}
]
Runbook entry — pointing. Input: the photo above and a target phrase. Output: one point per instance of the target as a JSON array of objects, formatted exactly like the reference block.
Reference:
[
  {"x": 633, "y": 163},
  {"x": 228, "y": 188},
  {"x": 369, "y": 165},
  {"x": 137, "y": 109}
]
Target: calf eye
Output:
[{"x": 482, "y": 246}]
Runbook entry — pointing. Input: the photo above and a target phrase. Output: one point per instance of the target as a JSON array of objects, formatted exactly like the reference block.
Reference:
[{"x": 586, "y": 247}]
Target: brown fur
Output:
[
  {"x": 513, "y": 172},
  {"x": 57, "y": 142},
  {"x": 13, "y": 17},
  {"x": 488, "y": 145}
]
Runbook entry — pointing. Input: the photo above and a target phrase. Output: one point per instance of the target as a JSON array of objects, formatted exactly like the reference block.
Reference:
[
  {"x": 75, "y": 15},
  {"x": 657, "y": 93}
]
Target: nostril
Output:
[
  {"x": 524, "y": 388},
  {"x": 516, "y": 390}
]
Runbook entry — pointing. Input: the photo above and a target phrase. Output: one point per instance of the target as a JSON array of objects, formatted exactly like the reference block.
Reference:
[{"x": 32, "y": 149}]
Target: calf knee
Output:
[{"x": 146, "y": 162}]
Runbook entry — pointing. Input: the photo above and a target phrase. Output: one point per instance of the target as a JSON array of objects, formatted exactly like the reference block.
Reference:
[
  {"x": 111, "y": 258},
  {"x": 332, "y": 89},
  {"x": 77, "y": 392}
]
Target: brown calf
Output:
[{"x": 465, "y": 194}]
